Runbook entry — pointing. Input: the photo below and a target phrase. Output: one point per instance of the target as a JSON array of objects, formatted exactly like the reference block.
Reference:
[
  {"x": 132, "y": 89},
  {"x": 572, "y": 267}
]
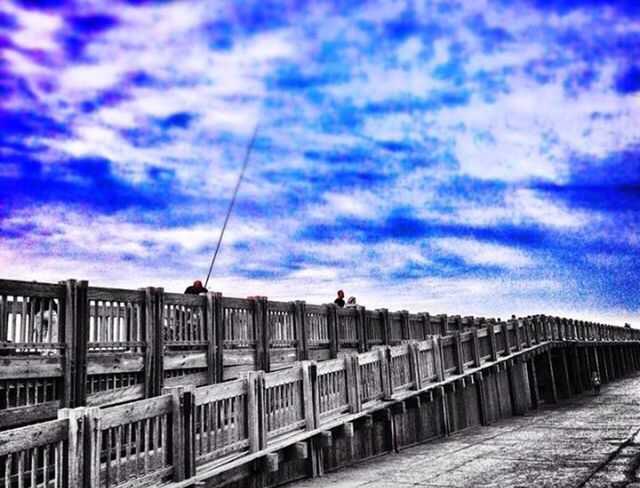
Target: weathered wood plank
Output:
[
  {"x": 181, "y": 299},
  {"x": 115, "y": 396},
  {"x": 184, "y": 359},
  {"x": 135, "y": 411},
  {"x": 29, "y": 413},
  {"x": 31, "y": 289},
  {"x": 114, "y": 294},
  {"x": 31, "y": 367},
  {"x": 23, "y": 438},
  {"x": 105, "y": 363},
  {"x": 200, "y": 378},
  {"x": 212, "y": 393}
]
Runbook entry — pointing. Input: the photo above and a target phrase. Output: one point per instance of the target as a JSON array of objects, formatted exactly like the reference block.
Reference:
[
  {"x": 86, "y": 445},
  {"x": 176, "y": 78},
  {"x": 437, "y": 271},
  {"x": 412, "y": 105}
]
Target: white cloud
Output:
[
  {"x": 474, "y": 252},
  {"x": 359, "y": 204},
  {"x": 523, "y": 206},
  {"x": 90, "y": 77},
  {"x": 36, "y": 29}
]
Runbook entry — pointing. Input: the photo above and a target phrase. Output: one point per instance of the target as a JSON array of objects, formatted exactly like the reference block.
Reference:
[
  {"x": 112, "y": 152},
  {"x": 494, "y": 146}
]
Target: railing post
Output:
[
  {"x": 81, "y": 344},
  {"x": 177, "y": 439},
  {"x": 505, "y": 335},
  {"x": 437, "y": 352},
  {"x": 362, "y": 339},
  {"x": 493, "y": 348},
  {"x": 516, "y": 330},
  {"x": 153, "y": 351},
  {"x": 93, "y": 443},
  {"x": 384, "y": 325},
  {"x": 470, "y": 322},
  {"x": 458, "y": 356},
  {"x": 332, "y": 326},
  {"x": 414, "y": 362},
  {"x": 426, "y": 325},
  {"x": 190, "y": 429},
  {"x": 219, "y": 335},
  {"x": 187, "y": 426},
  {"x": 75, "y": 446},
  {"x": 385, "y": 369},
  {"x": 444, "y": 325},
  {"x": 261, "y": 333},
  {"x": 526, "y": 326},
  {"x": 68, "y": 331},
  {"x": 405, "y": 331},
  {"x": 157, "y": 309},
  {"x": 253, "y": 410},
  {"x": 542, "y": 320},
  {"x": 308, "y": 386},
  {"x": 352, "y": 365},
  {"x": 210, "y": 326},
  {"x": 477, "y": 362},
  {"x": 588, "y": 333},
  {"x": 457, "y": 320},
  {"x": 302, "y": 330},
  {"x": 553, "y": 329},
  {"x": 366, "y": 320}
]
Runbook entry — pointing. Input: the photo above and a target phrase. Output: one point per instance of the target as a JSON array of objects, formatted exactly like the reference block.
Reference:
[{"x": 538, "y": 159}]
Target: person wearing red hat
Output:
[
  {"x": 340, "y": 300},
  {"x": 196, "y": 288}
]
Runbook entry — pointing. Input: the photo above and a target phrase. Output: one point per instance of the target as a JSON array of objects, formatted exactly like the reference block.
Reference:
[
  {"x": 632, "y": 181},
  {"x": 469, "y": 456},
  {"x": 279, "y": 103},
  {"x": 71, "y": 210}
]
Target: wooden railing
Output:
[
  {"x": 174, "y": 436},
  {"x": 69, "y": 345}
]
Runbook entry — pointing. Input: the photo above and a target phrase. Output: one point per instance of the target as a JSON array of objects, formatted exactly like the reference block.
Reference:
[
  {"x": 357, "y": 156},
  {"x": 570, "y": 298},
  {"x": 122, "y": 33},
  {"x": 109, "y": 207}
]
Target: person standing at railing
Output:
[
  {"x": 196, "y": 288},
  {"x": 595, "y": 382},
  {"x": 340, "y": 300}
]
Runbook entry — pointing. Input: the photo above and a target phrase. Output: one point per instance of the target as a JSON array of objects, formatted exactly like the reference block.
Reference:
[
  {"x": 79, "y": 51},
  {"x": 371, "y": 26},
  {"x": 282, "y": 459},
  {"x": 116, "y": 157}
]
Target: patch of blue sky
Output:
[
  {"x": 8, "y": 21},
  {"x": 89, "y": 183},
  {"x": 628, "y": 80},
  {"x": 563, "y": 7}
]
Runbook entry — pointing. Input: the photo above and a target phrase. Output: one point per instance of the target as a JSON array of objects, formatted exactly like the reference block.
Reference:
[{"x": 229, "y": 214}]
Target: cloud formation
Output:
[{"x": 466, "y": 156}]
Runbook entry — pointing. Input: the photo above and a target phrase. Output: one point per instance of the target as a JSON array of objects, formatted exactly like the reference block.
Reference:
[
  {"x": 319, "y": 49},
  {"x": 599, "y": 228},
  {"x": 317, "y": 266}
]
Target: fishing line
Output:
[{"x": 232, "y": 202}]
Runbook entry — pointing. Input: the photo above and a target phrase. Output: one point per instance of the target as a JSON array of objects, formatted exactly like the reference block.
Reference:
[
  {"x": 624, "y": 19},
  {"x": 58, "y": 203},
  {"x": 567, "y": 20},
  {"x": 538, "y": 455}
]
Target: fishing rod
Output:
[{"x": 233, "y": 201}]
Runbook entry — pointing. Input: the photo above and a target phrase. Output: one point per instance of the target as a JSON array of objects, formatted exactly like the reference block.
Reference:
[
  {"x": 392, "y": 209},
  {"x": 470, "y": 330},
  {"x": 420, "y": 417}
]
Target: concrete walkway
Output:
[{"x": 585, "y": 441}]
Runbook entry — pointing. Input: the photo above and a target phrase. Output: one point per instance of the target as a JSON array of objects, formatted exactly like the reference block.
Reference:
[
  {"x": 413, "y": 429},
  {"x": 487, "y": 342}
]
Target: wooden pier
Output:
[{"x": 149, "y": 388}]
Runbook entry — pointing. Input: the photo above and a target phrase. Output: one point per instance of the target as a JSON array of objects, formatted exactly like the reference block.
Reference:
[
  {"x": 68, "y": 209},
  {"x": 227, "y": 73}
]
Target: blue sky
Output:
[{"x": 475, "y": 157}]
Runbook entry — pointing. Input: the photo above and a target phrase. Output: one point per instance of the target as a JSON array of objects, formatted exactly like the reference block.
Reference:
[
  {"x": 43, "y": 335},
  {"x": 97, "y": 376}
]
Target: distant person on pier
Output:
[
  {"x": 351, "y": 303},
  {"x": 340, "y": 300},
  {"x": 196, "y": 288},
  {"x": 595, "y": 382},
  {"x": 45, "y": 323}
]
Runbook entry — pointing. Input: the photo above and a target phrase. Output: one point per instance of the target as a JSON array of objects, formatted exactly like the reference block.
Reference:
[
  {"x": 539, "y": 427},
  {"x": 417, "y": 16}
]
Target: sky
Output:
[{"x": 467, "y": 157}]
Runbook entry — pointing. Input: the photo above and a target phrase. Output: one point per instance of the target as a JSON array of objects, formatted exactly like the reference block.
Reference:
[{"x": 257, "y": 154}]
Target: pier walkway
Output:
[{"x": 583, "y": 441}]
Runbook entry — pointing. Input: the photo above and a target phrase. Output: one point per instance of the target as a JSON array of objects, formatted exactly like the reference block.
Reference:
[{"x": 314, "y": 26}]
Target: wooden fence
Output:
[
  {"x": 171, "y": 437},
  {"x": 69, "y": 345}
]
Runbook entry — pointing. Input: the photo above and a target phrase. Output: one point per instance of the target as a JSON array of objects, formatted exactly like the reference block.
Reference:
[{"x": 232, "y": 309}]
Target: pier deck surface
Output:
[{"x": 584, "y": 441}]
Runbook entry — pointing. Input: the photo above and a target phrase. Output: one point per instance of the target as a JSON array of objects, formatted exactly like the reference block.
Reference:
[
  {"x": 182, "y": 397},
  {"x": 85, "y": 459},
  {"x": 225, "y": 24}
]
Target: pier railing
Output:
[
  {"x": 185, "y": 431},
  {"x": 70, "y": 345}
]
